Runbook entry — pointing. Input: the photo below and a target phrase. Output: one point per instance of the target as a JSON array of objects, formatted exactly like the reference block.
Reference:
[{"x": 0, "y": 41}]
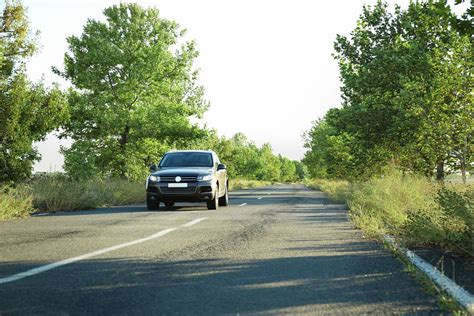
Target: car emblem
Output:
[{"x": 177, "y": 179}]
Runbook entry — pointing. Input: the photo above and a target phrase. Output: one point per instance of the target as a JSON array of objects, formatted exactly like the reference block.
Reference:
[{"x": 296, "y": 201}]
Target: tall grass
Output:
[
  {"x": 14, "y": 203},
  {"x": 58, "y": 193},
  {"x": 238, "y": 184},
  {"x": 414, "y": 208},
  {"x": 337, "y": 190}
]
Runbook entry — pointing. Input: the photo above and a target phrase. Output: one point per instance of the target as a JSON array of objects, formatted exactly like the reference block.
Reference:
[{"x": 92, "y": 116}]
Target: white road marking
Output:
[
  {"x": 463, "y": 297},
  {"x": 243, "y": 204},
  {"x": 58, "y": 264},
  {"x": 191, "y": 223}
]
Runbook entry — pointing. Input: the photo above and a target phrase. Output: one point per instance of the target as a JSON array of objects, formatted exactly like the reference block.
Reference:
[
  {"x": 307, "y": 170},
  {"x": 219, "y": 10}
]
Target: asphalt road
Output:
[{"x": 287, "y": 250}]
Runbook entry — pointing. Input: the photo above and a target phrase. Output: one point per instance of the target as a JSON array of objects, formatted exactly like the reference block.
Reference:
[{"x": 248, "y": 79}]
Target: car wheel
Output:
[
  {"x": 214, "y": 203},
  {"x": 152, "y": 205},
  {"x": 169, "y": 204},
  {"x": 224, "y": 200}
]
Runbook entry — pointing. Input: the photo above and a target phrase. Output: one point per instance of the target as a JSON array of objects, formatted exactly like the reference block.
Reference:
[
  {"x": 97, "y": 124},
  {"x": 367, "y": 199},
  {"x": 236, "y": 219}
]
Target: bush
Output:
[
  {"x": 383, "y": 205},
  {"x": 450, "y": 225},
  {"x": 419, "y": 211},
  {"x": 14, "y": 203}
]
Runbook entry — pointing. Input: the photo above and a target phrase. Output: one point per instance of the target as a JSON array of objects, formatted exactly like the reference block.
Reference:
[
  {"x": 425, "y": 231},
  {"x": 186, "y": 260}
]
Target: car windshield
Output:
[{"x": 187, "y": 159}]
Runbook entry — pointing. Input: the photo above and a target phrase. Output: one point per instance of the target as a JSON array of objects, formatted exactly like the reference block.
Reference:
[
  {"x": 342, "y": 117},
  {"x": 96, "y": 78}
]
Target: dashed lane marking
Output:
[{"x": 96, "y": 253}]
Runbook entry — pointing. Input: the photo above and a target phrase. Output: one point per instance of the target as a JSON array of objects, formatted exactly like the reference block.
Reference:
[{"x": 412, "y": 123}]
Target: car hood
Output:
[{"x": 188, "y": 171}]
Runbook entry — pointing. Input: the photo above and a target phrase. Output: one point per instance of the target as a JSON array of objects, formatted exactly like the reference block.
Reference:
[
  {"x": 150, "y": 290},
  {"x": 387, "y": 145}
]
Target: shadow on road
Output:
[{"x": 209, "y": 286}]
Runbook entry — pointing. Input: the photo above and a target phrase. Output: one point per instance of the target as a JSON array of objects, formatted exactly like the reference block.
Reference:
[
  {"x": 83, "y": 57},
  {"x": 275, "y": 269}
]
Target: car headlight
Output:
[
  {"x": 154, "y": 178},
  {"x": 205, "y": 177}
]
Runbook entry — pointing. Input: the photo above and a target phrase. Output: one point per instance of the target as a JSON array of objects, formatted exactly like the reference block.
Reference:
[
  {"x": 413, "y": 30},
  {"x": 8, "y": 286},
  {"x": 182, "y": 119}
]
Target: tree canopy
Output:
[
  {"x": 407, "y": 82},
  {"x": 245, "y": 160},
  {"x": 134, "y": 92},
  {"x": 28, "y": 111}
]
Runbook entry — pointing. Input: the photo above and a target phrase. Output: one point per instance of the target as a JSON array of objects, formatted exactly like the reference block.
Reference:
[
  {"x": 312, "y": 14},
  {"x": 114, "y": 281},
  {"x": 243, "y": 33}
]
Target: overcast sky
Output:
[{"x": 266, "y": 65}]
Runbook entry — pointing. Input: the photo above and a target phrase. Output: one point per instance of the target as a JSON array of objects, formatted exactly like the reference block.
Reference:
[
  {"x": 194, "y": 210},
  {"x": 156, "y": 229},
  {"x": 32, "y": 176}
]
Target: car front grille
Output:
[
  {"x": 188, "y": 190},
  {"x": 183, "y": 179}
]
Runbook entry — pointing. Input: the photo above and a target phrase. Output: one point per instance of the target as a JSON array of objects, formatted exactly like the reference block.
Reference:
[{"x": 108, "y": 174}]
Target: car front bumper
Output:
[{"x": 194, "y": 192}]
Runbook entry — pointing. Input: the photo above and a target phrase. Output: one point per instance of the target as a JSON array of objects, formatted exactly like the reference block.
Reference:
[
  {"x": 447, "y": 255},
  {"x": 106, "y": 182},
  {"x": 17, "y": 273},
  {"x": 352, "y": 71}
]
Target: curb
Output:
[{"x": 463, "y": 297}]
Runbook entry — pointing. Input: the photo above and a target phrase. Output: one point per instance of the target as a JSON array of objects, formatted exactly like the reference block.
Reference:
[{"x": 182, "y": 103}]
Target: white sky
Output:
[{"x": 266, "y": 65}]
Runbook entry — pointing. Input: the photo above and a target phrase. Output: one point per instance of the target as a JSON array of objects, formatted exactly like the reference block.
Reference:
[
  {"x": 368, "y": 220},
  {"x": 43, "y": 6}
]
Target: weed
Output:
[{"x": 14, "y": 203}]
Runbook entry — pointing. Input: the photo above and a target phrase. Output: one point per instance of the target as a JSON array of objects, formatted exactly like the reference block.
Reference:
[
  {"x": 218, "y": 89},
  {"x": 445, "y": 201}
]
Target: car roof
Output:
[{"x": 191, "y": 150}]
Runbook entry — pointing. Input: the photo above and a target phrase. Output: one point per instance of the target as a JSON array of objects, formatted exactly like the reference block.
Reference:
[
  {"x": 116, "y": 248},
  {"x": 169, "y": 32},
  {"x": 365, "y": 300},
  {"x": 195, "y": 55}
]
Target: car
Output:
[{"x": 188, "y": 176}]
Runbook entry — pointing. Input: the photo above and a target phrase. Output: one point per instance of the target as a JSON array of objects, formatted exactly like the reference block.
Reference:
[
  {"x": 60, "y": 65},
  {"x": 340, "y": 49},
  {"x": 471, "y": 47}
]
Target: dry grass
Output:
[
  {"x": 417, "y": 210},
  {"x": 238, "y": 184},
  {"x": 14, "y": 203},
  {"x": 57, "y": 193}
]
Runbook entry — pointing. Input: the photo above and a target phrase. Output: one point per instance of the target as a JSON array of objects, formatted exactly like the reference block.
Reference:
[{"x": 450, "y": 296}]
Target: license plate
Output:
[{"x": 177, "y": 185}]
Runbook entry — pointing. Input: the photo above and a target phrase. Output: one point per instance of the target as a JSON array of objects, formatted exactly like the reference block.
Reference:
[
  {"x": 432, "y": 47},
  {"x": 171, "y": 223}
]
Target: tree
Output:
[
  {"x": 27, "y": 111},
  {"x": 245, "y": 160},
  {"x": 287, "y": 170},
  {"x": 135, "y": 91},
  {"x": 407, "y": 88}
]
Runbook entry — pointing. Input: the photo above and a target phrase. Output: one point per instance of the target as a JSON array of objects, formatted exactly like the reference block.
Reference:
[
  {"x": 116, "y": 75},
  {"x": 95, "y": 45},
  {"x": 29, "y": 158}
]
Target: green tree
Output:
[
  {"x": 27, "y": 111},
  {"x": 287, "y": 170},
  {"x": 135, "y": 92},
  {"x": 407, "y": 83}
]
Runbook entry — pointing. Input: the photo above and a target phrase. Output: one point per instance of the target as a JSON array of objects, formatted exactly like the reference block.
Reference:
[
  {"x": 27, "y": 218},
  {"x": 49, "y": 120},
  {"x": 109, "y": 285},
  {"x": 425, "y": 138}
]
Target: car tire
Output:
[
  {"x": 224, "y": 200},
  {"x": 152, "y": 205},
  {"x": 214, "y": 203}
]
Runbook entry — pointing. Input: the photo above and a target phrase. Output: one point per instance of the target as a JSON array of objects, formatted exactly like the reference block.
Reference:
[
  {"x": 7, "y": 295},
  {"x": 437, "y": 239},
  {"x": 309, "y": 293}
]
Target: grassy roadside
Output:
[
  {"x": 57, "y": 193},
  {"x": 417, "y": 211},
  {"x": 238, "y": 184},
  {"x": 414, "y": 209}
]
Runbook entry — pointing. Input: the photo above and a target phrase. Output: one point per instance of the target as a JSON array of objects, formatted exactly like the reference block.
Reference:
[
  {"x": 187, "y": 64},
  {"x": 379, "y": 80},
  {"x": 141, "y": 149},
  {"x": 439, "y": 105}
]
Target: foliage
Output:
[
  {"x": 453, "y": 225},
  {"x": 337, "y": 190},
  {"x": 27, "y": 111},
  {"x": 239, "y": 184},
  {"x": 413, "y": 208},
  {"x": 14, "y": 203},
  {"x": 407, "y": 96},
  {"x": 135, "y": 90},
  {"x": 245, "y": 160},
  {"x": 58, "y": 193}
]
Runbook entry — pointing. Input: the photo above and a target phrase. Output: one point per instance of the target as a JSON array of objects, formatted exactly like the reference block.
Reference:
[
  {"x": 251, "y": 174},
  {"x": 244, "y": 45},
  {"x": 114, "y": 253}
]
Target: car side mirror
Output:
[
  {"x": 153, "y": 168},
  {"x": 221, "y": 166}
]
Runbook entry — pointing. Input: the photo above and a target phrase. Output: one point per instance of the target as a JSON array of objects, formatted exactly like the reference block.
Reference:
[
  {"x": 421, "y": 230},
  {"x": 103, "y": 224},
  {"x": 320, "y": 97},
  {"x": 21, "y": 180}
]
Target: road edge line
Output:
[
  {"x": 54, "y": 265},
  {"x": 463, "y": 297}
]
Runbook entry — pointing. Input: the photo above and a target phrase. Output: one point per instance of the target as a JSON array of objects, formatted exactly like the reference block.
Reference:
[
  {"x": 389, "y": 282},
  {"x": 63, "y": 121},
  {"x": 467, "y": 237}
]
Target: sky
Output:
[{"x": 266, "y": 65}]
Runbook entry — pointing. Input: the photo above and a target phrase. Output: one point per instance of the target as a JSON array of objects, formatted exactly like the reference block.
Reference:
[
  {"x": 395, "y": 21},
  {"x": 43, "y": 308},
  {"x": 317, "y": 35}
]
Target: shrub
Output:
[{"x": 411, "y": 207}]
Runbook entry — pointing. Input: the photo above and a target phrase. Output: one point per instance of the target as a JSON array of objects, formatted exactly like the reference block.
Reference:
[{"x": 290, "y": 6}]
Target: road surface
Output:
[{"x": 283, "y": 249}]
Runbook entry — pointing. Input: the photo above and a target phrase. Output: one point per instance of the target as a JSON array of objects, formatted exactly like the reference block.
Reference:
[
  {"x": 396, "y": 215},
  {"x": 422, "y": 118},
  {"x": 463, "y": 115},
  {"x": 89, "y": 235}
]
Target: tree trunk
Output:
[
  {"x": 440, "y": 170},
  {"x": 123, "y": 143},
  {"x": 462, "y": 162},
  {"x": 463, "y": 170}
]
